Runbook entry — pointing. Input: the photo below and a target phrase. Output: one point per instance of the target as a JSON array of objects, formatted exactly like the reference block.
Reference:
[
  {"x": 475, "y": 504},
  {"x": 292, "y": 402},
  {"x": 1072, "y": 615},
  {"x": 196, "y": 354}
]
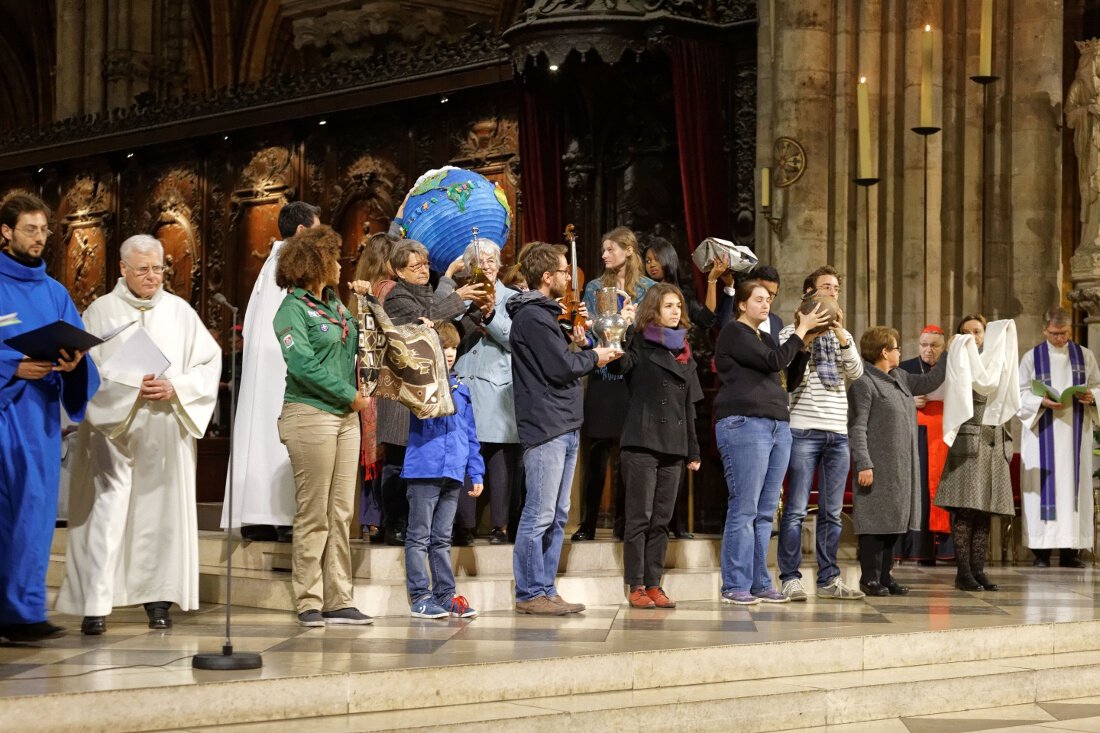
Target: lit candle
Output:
[
  {"x": 985, "y": 53},
  {"x": 863, "y": 118},
  {"x": 926, "y": 79},
  {"x": 765, "y": 188}
]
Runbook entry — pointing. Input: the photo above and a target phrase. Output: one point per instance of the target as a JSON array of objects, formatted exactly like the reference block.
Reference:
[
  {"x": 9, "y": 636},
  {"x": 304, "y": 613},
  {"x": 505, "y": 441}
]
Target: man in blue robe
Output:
[{"x": 30, "y": 417}]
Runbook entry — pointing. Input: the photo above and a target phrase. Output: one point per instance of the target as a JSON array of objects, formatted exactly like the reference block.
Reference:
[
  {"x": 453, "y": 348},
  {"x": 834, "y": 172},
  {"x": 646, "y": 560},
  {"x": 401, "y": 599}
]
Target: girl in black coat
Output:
[{"x": 658, "y": 435}]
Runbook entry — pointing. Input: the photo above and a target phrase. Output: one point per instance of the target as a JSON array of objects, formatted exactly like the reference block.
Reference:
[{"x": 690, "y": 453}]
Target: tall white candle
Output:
[
  {"x": 765, "y": 188},
  {"x": 863, "y": 119},
  {"x": 985, "y": 44},
  {"x": 926, "y": 78}
]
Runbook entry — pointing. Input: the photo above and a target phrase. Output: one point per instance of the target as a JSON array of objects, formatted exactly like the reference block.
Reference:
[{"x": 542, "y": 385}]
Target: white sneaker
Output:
[
  {"x": 836, "y": 590},
  {"x": 793, "y": 589}
]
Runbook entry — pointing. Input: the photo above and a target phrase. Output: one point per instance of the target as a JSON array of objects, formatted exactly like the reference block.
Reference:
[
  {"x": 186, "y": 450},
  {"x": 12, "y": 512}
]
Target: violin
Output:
[{"x": 572, "y": 300}]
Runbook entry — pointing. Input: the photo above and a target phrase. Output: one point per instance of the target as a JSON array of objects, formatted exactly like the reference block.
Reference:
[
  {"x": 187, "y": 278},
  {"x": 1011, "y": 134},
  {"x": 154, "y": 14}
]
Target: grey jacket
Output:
[
  {"x": 882, "y": 432},
  {"x": 486, "y": 369}
]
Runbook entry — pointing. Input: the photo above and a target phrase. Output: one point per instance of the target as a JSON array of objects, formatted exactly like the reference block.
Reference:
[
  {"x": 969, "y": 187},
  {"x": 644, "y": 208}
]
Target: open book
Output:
[{"x": 1065, "y": 398}]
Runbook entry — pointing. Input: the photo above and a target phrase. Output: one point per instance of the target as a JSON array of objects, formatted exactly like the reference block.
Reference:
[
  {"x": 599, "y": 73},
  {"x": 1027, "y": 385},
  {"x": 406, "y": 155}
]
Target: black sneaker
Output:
[
  {"x": 312, "y": 617},
  {"x": 498, "y": 537},
  {"x": 349, "y": 616}
]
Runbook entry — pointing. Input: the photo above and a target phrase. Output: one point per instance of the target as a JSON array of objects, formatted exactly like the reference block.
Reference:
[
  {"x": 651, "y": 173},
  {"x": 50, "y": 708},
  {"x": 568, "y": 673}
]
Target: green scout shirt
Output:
[{"x": 320, "y": 361}]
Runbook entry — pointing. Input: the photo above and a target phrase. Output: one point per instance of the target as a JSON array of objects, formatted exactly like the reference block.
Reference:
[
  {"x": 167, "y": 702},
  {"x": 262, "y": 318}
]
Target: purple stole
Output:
[{"x": 1041, "y": 357}]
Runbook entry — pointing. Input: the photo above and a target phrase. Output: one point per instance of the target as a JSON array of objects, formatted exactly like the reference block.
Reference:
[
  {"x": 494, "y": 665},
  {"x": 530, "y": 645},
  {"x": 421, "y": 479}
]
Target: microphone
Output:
[{"x": 220, "y": 300}]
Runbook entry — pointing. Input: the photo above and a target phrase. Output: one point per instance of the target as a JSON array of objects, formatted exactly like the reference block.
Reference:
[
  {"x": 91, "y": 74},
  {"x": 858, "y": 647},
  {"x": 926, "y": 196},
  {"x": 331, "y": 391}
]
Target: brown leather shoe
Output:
[
  {"x": 540, "y": 606},
  {"x": 569, "y": 607},
  {"x": 660, "y": 599},
  {"x": 639, "y": 598}
]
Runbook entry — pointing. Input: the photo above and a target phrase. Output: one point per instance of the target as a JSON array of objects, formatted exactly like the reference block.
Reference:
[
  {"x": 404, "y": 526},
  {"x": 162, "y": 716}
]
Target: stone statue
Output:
[{"x": 1083, "y": 117}]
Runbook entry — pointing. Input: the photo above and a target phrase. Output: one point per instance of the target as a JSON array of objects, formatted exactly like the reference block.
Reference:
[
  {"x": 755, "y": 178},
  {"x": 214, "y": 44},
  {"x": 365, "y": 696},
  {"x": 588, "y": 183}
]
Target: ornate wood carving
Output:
[
  {"x": 365, "y": 200},
  {"x": 83, "y": 236},
  {"x": 486, "y": 139},
  {"x": 743, "y": 142},
  {"x": 361, "y": 32},
  {"x": 173, "y": 222},
  {"x": 612, "y": 28},
  {"x": 477, "y": 48},
  {"x": 217, "y": 225}
]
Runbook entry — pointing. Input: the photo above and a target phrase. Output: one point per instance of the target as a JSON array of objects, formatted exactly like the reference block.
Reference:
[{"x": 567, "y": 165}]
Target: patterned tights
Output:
[{"x": 970, "y": 532}]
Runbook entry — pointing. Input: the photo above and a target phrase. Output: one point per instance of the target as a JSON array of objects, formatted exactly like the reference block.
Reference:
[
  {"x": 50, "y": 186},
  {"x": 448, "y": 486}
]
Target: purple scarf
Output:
[
  {"x": 671, "y": 338},
  {"x": 1041, "y": 357}
]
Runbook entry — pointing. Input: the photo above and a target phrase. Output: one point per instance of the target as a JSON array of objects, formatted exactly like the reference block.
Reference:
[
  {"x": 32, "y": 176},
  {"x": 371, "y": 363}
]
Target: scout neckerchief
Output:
[
  {"x": 1041, "y": 356},
  {"x": 321, "y": 311}
]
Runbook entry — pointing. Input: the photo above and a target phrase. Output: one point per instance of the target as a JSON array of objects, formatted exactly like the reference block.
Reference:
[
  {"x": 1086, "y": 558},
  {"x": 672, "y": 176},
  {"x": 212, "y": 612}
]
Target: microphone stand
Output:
[{"x": 229, "y": 659}]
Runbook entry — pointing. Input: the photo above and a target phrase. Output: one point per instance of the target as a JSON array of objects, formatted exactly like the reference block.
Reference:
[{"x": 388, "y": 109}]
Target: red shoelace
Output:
[{"x": 459, "y": 604}]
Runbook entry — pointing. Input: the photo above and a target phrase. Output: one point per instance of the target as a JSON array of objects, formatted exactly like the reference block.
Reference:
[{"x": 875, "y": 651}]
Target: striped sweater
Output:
[{"x": 813, "y": 407}]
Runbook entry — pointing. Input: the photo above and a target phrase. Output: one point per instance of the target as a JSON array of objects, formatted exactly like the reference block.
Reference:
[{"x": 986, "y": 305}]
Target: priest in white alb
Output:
[
  {"x": 263, "y": 482},
  {"x": 1056, "y": 444},
  {"x": 133, "y": 535}
]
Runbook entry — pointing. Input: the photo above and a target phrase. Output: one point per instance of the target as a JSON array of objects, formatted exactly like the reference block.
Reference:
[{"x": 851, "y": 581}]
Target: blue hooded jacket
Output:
[{"x": 445, "y": 447}]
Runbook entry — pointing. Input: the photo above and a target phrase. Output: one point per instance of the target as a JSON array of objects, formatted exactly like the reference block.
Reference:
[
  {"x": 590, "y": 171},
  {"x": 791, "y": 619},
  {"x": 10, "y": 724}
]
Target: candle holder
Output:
[
  {"x": 774, "y": 222},
  {"x": 926, "y": 131},
  {"x": 983, "y": 80}
]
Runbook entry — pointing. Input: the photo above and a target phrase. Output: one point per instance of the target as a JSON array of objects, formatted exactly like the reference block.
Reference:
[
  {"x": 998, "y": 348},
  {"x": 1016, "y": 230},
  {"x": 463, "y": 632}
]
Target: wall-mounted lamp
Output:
[{"x": 766, "y": 200}]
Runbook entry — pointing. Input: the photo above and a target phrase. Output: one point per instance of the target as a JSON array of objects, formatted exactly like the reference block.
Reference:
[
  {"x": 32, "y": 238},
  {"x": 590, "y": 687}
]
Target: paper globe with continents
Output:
[{"x": 445, "y": 205}]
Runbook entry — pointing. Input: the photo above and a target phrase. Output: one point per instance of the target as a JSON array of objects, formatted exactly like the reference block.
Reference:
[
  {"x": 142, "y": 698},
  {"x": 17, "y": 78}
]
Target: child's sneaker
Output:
[
  {"x": 426, "y": 607},
  {"x": 460, "y": 607}
]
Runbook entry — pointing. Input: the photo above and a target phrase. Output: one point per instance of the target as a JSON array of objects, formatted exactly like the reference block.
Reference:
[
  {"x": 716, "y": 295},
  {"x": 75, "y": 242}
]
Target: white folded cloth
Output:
[{"x": 993, "y": 373}]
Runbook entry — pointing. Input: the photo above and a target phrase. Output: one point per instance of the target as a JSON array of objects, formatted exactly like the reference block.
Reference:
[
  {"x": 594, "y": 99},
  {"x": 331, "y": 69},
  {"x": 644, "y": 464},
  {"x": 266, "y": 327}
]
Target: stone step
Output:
[
  {"x": 388, "y": 597},
  {"x": 783, "y": 685},
  {"x": 384, "y": 562},
  {"x": 755, "y": 706}
]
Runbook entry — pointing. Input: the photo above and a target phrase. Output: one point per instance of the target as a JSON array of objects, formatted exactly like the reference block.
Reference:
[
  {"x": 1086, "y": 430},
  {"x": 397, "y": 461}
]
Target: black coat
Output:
[
  {"x": 545, "y": 373},
  {"x": 660, "y": 414}
]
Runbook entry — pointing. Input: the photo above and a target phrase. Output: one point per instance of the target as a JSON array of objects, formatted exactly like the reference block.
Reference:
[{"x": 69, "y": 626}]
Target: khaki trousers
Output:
[{"x": 324, "y": 453}]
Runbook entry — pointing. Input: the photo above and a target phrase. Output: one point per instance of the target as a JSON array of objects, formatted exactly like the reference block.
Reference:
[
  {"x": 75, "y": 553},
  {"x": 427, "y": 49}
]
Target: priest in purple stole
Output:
[{"x": 1056, "y": 444}]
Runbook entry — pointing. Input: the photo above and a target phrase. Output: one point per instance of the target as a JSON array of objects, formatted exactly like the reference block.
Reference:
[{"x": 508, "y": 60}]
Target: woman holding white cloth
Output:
[{"x": 981, "y": 397}]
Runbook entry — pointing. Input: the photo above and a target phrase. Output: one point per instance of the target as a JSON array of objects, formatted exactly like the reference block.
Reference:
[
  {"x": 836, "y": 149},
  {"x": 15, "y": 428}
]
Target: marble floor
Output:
[{"x": 131, "y": 657}]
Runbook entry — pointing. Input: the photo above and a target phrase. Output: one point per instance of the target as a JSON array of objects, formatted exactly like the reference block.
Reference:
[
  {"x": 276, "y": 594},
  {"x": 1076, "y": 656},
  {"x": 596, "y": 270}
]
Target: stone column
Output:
[
  {"x": 803, "y": 91},
  {"x": 1023, "y": 277},
  {"x": 95, "y": 41},
  {"x": 69, "y": 82}
]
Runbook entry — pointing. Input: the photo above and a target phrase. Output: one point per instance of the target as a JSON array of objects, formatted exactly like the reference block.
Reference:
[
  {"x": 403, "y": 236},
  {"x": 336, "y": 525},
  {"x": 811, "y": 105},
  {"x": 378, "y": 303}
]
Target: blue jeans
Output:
[
  {"x": 825, "y": 453},
  {"x": 755, "y": 451},
  {"x": 549, "y": 478},
  {"x": 432, "y": 504}
]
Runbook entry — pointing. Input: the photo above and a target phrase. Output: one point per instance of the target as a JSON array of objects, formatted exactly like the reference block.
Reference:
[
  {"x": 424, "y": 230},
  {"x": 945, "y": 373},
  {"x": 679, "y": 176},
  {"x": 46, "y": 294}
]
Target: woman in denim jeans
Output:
[{"x": 754, "y": 438}]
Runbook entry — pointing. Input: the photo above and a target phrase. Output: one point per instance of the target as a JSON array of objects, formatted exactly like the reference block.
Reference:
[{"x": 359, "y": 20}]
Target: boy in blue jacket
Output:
[{"x": 441, "y": 453}]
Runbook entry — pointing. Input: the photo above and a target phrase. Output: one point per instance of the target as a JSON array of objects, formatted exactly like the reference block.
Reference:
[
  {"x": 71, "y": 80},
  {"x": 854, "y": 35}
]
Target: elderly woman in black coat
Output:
[
  {"x": 882, "y": 431},
  {"x": 658, "y": 435}
]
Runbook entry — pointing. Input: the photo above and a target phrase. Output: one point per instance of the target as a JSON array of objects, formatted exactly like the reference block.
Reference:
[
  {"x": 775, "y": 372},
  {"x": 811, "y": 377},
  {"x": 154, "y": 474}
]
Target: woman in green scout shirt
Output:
[{"x": 319, "y": 423}]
